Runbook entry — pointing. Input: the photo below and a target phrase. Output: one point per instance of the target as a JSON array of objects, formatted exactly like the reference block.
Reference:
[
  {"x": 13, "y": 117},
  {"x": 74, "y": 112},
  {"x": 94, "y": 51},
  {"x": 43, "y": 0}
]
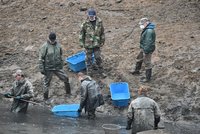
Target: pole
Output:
[{"x": 32, "y": 102}]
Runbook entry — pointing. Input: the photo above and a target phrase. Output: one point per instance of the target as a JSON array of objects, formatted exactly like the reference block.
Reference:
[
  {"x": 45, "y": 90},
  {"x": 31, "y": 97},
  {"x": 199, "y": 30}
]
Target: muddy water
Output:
[{"x": 40, "y": 120}]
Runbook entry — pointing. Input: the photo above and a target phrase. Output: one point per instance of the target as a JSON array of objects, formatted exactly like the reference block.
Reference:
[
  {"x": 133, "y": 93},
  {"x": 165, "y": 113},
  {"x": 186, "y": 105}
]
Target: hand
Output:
[
  {"x": 79, "y": 110},
  {"x": 128, "y": 127},
  {"x": 43, "y": 72},
  {"x": 18, "y": 97},
  {"x": 7, "y": 95}
]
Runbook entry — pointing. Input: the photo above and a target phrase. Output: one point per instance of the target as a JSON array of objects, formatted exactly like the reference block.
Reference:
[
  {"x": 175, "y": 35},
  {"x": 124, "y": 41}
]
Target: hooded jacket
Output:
[
  {"x": 50, "y": 57},
  {"x": 24, "y": 89},
  {"x": 89, "y": 94},
  {"x": 142, "y": 112},
  {"x": 147, "y": 39}
]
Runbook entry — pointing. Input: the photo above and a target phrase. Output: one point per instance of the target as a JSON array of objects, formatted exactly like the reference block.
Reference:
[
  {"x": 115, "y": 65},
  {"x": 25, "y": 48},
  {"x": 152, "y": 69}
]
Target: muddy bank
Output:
[{"x": 175, "y": 84}]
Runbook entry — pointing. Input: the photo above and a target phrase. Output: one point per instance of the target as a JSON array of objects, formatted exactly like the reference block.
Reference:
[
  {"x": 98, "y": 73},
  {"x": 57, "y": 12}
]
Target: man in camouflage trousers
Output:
[
  {"x": 21, "y": 91},
  {"x": 51, "y": 62},
  {"x": 91, "y": 38},
  {"x": 143, "y": 113}
]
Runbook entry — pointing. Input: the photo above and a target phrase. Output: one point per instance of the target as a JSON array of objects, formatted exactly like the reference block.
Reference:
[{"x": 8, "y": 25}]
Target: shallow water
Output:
[{"x": 40, "y": 120}]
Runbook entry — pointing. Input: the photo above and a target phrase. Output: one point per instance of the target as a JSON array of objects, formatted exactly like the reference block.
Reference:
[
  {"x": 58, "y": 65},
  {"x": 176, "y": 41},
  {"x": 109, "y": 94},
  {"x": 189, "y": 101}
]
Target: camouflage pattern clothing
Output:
[
  {"x": 91, "y": 38},
  {"x": 51, "y": 62},
  {"x": 142, "y": 113},
  {"x": 89, "y": 94},
  {"x": 24, "y": 89}
]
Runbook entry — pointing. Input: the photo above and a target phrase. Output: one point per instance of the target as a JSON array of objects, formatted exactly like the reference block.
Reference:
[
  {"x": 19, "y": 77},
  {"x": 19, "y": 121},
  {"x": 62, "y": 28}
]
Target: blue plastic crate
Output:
[
  {"x": 120, "y": 94},
  {"x": 76, "y": 62},
  {"x": 69, "y": 110}
]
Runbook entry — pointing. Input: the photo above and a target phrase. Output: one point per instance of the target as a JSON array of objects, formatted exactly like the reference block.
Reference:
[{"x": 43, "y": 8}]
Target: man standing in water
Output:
[
  {"x": 143, "y": 113},
  {"x": 21, "y": 91},
  {"x": 89, "y": 92}
]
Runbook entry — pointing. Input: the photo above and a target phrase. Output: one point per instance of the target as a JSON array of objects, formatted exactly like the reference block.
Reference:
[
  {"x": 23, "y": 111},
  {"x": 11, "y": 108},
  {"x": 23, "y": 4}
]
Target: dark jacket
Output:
[
  {"x": 50, "y": 57},
  {"x": 147, "y": 39},
  {"x": 88, "y": 94},
  {"x": 24, "y": 89}
]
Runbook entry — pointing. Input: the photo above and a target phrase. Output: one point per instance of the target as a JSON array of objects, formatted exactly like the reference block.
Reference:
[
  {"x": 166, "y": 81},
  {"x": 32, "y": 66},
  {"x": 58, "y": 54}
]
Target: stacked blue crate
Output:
[
  {"x": 76, "y": 62},
  {"x": 120, "y": 94}
]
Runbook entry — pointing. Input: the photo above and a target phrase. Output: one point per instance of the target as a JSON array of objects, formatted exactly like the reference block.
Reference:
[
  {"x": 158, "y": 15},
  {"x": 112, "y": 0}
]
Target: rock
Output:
[
  {"x": 83, "y": 8},
  {"x": 71, "y": 4},
  {"x": 118, "y": 1}
]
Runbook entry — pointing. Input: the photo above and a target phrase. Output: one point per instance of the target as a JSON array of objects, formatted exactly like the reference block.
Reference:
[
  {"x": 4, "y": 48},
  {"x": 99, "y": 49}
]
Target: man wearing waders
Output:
[
  {"x": 89, "y": 95},
  {"x": 147, "y": 47},
  {"x": 143, "y": 113},
  {"x": 21, "y": 91},
  {"x": 51, "y": 62},
  {"x": 92, "y": 38}
]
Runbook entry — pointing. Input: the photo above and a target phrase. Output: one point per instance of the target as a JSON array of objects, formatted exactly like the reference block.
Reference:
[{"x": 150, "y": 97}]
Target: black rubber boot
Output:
[
  {"x": 67, "y": 88},
  {"x": 46, "y": 96},
  {"x": 148, "y": 76},
  {"x": 137, "y": 68}
]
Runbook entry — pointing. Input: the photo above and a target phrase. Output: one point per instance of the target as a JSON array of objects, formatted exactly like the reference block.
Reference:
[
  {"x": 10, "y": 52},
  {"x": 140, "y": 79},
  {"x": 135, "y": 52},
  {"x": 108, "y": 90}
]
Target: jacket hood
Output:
[{"x": 151, "y": 26}]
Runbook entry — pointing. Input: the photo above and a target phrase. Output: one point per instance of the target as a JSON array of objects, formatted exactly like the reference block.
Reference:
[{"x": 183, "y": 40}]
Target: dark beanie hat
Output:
[{"x": 52, "y": 36}]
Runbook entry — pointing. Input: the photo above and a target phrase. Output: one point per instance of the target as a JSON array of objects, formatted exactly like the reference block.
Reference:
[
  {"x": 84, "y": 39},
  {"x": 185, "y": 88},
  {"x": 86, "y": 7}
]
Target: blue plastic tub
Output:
[
  {"x": 69, "y": 110},
  {"x": 76, "y": 62},
  {"x": 120, "y": 94}
]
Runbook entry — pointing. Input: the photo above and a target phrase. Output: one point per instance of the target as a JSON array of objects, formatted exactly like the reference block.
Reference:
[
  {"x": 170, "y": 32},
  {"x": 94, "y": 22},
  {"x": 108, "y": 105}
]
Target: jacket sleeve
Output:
[
  {"x": 82, "y": 35},
  {"x": 102, "y": 36},
  {"x": 29, "y": 93},
  {"x": 42, "y": 53},
  {"x": 61, "y": 56},
  {"x": 149, "y": 41},
  {"x": 83, "y": 97},
  {"x": 157, "y": 112},
  {"x": 130, "y": 114}
]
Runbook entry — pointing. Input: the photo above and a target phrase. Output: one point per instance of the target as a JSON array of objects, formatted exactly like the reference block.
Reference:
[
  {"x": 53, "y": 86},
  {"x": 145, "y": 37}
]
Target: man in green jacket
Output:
[
  {"x": 92, "y": 38},
  {"x": 147, "y": 47},
  {"x": 51, "y": 62},
  {"x": 21, "y": 91}
]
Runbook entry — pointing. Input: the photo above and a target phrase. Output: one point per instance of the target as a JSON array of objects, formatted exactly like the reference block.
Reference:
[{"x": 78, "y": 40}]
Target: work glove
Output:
[
  {"x": 129, "y": 122},
  {"x": 7, "y": 95},
  {"x": 79, "y": 110},
  {"x": 156, "y": 121},
  {"x": 43, "y": 72},
  {"x": 18, "y": 97}
]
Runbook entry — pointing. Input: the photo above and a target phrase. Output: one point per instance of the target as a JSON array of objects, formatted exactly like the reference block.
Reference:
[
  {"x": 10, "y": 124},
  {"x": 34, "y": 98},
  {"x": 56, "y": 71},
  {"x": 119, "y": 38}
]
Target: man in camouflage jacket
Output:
[
  {"x": 22, "y": 90},
  {"x": 51, "y": 62},
  {"x": 91, "y": 38},
  {"x": 143, "y": 113}
]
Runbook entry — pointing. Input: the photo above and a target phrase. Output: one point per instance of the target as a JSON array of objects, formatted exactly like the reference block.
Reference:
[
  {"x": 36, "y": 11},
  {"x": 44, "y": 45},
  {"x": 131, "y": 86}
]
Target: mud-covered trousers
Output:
[
  {"x": 60, "y": 74},
  {"x": 146, "y": 58}
]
